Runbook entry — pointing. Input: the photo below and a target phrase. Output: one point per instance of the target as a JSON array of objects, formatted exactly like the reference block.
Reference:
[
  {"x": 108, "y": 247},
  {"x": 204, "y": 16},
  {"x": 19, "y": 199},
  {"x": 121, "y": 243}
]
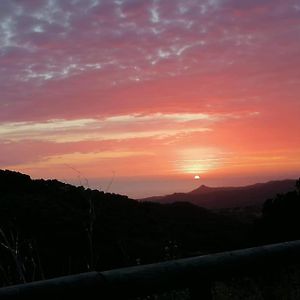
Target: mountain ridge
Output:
[{"x": 229, "y": 197}]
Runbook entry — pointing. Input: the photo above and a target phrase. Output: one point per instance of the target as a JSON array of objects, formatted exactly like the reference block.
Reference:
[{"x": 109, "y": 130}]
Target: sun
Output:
[{"x": 196, "y": 177}]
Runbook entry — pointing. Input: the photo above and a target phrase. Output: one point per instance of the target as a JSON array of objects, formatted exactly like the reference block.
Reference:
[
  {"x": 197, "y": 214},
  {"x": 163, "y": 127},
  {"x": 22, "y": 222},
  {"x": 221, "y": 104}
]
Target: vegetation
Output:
[
  {"x": 280, "y": 219},
  {"x": 51, "y": 229}
]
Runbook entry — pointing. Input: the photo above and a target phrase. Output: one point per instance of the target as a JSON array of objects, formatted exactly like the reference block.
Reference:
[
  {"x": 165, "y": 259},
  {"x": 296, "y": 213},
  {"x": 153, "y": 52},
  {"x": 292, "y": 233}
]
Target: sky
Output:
[{"x": 139, "y": 96}]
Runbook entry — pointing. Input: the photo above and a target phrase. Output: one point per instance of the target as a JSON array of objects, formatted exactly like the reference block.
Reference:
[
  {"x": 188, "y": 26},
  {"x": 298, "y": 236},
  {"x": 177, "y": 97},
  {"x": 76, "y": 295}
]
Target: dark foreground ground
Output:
[{"x": 284, "y": 284}]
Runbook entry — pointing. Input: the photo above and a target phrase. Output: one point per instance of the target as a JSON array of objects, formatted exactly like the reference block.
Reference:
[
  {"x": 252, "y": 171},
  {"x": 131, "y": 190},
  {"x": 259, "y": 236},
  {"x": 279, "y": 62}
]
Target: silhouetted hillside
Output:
[
  {"x": 280, "y": 219},
  {"x": 49, "y": 228},
  {"x": 229, "y": 197}
]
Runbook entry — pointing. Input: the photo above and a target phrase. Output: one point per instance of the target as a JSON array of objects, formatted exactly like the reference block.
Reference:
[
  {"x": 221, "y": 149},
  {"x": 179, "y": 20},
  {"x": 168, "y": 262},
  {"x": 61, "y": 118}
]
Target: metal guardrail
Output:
[{"x": 195, "y": 273}]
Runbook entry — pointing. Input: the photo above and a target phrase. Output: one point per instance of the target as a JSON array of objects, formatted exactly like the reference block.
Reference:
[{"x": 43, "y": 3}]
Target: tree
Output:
[{"x": 298, "y": 186}]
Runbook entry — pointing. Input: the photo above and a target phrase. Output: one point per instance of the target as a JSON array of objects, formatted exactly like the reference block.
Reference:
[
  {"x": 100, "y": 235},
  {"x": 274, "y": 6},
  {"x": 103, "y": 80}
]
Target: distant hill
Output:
[{"x": 229, "y": 197}]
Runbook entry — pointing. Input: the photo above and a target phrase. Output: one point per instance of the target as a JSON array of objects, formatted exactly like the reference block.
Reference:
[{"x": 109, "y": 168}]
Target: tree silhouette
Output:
[
  {"x": 298, "y": 185},
  {"x": 281, "y": 216}
]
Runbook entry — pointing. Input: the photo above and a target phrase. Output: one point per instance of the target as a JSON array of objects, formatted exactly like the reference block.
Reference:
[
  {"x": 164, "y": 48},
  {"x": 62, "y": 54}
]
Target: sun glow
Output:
[{"x": 198, "y": 160}]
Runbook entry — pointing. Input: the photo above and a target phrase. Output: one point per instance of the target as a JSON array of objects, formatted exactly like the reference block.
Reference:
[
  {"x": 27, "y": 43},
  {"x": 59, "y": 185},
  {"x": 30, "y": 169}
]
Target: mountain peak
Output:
[
  {"x": 201, "y": 189},
  {"x": 204, "y": 187}
]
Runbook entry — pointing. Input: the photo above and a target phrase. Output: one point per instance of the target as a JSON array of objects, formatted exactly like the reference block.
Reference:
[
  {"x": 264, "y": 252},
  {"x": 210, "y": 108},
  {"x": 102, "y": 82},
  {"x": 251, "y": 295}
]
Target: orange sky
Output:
[{"x": 140, "y": 96}]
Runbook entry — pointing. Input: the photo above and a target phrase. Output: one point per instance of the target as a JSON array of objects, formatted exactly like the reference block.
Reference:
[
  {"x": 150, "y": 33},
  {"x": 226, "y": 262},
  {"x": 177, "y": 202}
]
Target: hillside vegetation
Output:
[{"x": 49, "y": 228}]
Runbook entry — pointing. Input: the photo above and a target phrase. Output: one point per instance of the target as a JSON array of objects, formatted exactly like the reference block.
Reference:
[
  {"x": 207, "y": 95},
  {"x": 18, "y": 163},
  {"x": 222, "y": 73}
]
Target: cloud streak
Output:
[{"x": 119, "y": 127}]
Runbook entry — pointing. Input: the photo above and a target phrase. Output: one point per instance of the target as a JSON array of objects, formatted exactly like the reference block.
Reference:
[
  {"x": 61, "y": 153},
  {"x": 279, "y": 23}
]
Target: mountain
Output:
[{"x": 229, "y": 197}]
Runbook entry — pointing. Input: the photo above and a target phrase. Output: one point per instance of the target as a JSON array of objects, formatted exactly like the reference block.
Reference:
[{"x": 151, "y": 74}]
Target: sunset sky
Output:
[{"x": 139, "y": 96}]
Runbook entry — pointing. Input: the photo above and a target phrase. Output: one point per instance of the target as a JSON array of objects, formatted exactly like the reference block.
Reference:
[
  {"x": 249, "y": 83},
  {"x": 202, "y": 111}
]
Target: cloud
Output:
[{"x": 118, "y": 127}]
